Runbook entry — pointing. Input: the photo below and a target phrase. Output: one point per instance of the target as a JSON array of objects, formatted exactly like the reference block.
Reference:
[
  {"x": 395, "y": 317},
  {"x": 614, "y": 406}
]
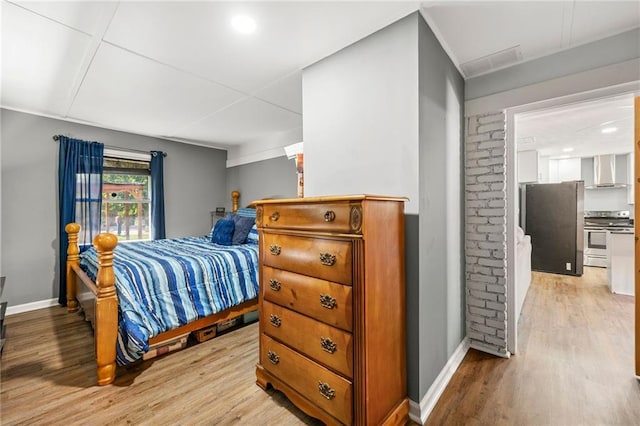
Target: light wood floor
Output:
[
  {"x": 574, "y": 367},
  {"x": 574, "y": 364},
  {"x": 48, "y": 377}
]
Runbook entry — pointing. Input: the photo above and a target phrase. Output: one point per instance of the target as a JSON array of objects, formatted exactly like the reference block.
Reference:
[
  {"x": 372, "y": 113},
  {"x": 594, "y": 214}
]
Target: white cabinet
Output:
[
  {"x": 527, "y": 166},
  {"x": 587, "y": 171},
  {"x": 565, "y": 169},
  {"x": 620, "y": 262},
  {"x": 543, "y": 169}
]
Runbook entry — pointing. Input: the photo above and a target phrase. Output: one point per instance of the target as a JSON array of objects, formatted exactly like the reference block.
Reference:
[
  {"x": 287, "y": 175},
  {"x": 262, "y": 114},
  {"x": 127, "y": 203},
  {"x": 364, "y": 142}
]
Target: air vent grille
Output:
[
  {"x": 527, "y": 140},
  {"x": 492, "y": 62}
]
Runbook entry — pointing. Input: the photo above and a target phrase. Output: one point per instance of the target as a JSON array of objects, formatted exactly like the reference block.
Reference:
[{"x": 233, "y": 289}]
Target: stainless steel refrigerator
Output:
[{"x": 553, "y": 215}]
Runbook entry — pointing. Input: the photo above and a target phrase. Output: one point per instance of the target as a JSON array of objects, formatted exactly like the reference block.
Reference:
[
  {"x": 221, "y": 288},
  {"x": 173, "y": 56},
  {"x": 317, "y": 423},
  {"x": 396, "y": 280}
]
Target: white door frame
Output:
[{"x": 512, "y": 186}]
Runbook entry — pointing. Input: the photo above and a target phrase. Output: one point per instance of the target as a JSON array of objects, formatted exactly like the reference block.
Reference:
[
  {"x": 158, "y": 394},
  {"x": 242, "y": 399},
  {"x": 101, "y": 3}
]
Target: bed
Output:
[{"x": 145, "y": 293}]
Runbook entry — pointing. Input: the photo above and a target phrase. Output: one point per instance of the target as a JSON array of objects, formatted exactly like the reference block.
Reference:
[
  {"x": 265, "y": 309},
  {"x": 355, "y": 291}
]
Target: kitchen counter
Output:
[
  {"x": 622, "y": 231},
  {"x": 620, "y": 262}
]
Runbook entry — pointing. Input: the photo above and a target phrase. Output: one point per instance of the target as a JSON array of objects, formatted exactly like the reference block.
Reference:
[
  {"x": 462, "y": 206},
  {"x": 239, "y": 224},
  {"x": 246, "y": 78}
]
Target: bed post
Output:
[
  {"x": 73, "y": 259},
  {"x": 106, "y": 324},
  {"x": 235, "y": 196}
]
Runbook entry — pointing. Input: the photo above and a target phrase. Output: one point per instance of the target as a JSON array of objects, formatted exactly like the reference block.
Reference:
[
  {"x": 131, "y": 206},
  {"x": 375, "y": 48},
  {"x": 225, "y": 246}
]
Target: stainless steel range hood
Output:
[{"x": 604, "y": 172}]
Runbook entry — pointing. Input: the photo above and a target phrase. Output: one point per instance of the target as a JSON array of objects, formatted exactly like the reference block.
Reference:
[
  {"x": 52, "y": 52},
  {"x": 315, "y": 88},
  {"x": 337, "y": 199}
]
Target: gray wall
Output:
[
  {"x": 1, "y": 270},
  {"x": 608, "y": 51},
  {"x": 384, "y": 116},
  {"x": 273, "y": 178},
  {"x": 194, "y": 178},
  {"x": 442, "y": 300}
]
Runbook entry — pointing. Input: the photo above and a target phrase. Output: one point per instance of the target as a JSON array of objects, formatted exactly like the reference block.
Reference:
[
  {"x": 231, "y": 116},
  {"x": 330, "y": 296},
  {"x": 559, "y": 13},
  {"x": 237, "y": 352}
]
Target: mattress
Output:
[{"x": 165, "y": 284}]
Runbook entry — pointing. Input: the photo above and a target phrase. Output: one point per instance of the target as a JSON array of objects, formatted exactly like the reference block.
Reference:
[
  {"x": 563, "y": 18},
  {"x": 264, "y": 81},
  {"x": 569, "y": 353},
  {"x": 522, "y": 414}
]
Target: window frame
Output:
[{"x": 134, "y": 156}]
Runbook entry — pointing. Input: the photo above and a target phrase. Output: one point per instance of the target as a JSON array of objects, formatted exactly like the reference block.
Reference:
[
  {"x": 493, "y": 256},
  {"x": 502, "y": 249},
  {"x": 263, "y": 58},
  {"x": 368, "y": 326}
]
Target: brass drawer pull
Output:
[
  {"x": 275, "y": 321},
  {"x": 275, "y": 249},
  {"x": 275, "y": 216},
  {"x": 327, "y": 259},
  {"x": 273, "y": 357},
  {"x": 328, "y": 345},
  {"x": 329, "y": 216},
  {"x": 274, "y": 285},
  {"x": 327, "y": 301},
  {"x": 326, "y": 391}
]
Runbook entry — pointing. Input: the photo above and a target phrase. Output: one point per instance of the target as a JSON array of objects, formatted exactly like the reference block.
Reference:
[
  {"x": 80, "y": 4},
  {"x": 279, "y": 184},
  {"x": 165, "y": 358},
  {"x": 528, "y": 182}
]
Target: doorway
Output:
[{"x": 567, "y": 172}]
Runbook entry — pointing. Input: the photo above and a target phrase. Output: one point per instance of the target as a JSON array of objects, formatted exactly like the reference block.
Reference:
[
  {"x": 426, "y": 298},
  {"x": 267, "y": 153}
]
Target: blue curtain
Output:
[
  {"x": 79, "y": 196},
  {"x": 157, "y": 196}
]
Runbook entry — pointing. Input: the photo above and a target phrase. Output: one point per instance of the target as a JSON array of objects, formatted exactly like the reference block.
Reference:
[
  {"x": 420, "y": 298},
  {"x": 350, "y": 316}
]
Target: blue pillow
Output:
[
  {"x": 252, "y": 238},
  {"x": 246, "y": 212},
  {"x": 243, "y": 225},
  {"x": 223, "y": 232}
]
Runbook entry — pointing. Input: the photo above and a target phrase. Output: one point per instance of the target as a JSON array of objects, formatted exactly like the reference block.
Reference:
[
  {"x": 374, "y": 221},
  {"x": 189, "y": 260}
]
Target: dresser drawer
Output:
[
  {"x": 325, "y": 389},
  {"x": 323, "y": 300},
  {"x": 327, "y": 345},
  {"x": 317, "y": 257},
  {"x": 331, "y": 217}
]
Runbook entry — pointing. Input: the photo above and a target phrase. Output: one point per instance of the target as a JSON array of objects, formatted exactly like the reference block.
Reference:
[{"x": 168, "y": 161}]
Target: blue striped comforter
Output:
[{"x": 164, "y": 284}]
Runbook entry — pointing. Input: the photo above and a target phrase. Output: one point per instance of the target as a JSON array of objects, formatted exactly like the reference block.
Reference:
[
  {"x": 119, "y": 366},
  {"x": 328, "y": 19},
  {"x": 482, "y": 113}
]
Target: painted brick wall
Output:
[{"x": 485, "y": 242}]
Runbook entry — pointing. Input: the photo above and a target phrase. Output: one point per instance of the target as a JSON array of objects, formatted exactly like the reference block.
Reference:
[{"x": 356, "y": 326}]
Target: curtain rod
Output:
[{"x": 164, "y": 154}]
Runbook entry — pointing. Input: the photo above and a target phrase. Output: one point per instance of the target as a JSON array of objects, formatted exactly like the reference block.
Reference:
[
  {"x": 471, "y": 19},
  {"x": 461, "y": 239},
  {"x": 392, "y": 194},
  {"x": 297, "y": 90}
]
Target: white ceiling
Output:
[
  {"x": 178, "y": 70},
  {"x": 476, "y": 29},
  {"x": 576, "y": 130}
]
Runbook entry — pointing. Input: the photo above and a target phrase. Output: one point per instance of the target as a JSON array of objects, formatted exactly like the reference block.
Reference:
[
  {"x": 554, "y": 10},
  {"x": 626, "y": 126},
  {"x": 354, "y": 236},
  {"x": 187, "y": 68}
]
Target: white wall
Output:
[
  {"x": 264, "y": 149},
  {"x": 384, "y": 116},
  {"x": 360, "y": 121},
  {"x": 571, "y": 84},
  {"x": 607, "y": 199}
]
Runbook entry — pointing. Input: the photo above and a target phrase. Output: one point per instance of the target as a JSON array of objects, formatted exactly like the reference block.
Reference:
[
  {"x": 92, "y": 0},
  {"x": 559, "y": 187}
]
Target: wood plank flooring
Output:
[
  {"x": 48, "y": 377},
  {"x": 574, "y": 367},
  {"x": 574, "y": 364}
]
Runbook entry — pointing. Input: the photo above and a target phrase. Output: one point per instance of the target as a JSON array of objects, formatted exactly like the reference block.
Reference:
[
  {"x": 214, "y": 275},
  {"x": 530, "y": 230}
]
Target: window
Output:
[
  {"x": 87, "y": 205},
  {"x": 126, "y": 198}
]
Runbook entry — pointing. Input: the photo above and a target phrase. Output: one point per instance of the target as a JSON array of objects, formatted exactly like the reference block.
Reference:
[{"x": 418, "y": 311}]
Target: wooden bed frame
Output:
[{"x": 100, "y": 302}]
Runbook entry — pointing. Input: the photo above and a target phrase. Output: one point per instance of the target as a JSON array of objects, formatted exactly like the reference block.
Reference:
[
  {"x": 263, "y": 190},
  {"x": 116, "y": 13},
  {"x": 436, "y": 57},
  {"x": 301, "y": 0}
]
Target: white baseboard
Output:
[
  {"x": 420, "y": 412},
  {"x": 26, "y": 307},
  {"x": 482, "y": 348}
]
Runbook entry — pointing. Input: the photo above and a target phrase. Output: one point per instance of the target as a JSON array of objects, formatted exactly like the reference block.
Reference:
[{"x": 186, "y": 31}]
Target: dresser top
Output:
[{"x": 326, "y": 199}]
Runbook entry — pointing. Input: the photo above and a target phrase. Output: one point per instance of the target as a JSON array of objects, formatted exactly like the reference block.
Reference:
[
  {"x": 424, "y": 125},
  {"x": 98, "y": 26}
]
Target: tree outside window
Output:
[{"x": 126, "y": 199}]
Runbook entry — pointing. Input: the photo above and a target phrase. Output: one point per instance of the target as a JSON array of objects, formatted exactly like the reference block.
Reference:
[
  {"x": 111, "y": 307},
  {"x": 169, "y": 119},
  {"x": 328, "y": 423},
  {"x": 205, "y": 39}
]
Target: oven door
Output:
[
  {"x": 596, "y": 239},
  {"x": 595, "y": 247}
]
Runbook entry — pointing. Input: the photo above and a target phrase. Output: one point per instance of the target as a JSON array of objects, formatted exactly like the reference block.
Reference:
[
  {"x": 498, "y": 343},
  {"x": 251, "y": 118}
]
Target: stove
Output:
[
  {"x": 596, "y": 226},
  {"x": 607, "y": 219}
]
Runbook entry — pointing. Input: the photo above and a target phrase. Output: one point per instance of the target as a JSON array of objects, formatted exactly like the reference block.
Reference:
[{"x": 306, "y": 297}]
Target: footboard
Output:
[
  {"x": 100, "y": 302},
  {"x": 105, "y": 309}
]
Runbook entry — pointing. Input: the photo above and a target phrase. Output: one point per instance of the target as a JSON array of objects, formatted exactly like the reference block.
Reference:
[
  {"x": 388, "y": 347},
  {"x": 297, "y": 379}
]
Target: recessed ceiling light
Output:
[
  {"x": 567, "y": 149},
  {"x": 609, "y": 130},
  {"x": 243, "y": 24}
]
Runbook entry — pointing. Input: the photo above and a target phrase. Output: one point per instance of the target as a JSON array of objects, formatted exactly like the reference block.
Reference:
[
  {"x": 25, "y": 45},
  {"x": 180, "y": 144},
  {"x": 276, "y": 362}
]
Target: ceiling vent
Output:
[
  {"x": 492, "y": 62},
  {"x": 526, "y": 140}
]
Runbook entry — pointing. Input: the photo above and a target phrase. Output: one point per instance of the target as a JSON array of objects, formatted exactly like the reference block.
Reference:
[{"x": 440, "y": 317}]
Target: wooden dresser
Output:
[{"x": 332, "y": 306}]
